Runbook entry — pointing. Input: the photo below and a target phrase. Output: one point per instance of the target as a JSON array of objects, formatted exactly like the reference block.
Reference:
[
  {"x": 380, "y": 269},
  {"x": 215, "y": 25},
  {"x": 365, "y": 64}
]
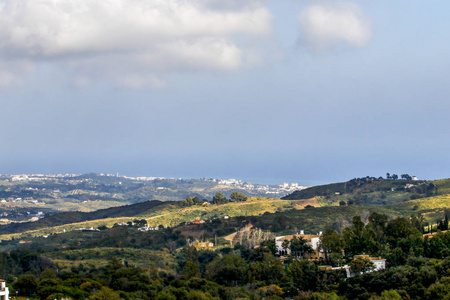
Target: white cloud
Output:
[
  {"x": 327, "y": 25},
  {"x": 123, "y": 35}
]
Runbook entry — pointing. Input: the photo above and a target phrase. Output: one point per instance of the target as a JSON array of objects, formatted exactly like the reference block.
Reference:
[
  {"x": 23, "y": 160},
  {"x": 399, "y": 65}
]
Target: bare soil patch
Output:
[{"x": 301, "y": 204}]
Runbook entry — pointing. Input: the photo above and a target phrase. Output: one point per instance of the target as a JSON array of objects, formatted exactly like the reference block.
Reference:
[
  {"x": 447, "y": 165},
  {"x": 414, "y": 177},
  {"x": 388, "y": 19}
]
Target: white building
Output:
[
  {"x": 378, "y": 263},
  {"x": 4, "y": 291},
  {"x": 311, "y": 240}
]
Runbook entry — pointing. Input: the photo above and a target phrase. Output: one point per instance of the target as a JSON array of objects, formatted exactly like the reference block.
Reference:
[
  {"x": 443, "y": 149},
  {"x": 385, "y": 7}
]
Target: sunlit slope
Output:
[
  {"x": 314, "y": 220},
  {"x": 373, "y": 191},
  {"x": 166, "y": 214},
  {"x": 316, "y": 217}
]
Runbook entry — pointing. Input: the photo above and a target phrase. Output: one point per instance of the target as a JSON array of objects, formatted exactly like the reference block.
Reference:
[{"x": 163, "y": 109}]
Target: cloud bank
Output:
[
  {"x": 131, "y": 42},
  {"x": 328, "y": 25}
]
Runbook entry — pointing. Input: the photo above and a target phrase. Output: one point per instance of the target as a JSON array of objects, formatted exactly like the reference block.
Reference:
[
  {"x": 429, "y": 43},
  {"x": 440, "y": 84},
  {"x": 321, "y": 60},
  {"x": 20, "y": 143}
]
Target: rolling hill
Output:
[{"x": 330, "y": 205}]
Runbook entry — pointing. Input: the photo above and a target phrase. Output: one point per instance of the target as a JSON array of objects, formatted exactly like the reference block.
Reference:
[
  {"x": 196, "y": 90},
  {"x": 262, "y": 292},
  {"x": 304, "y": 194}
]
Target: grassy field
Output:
[{"x": 173, "y": 215}]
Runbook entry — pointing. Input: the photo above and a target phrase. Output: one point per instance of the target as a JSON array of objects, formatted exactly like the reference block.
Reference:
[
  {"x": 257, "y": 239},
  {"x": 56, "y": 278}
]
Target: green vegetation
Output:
[
  {"x": 115, "y": 264},
  {"x": 373, "y": 191},
  {"x": 233, "y": 254}
]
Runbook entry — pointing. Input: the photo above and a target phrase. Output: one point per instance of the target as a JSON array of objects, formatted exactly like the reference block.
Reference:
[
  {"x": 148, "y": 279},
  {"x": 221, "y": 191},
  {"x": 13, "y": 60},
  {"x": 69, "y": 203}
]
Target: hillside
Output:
[
  {"x": 239, "y": 231},
  {"x": 330, "y": 205},
  {"x": 76, "y": 217},
  {"x": 318, "y": 219},
  {"x": 372, "y": 191},
  {"x": 24, "y": 195},
  {"x": 281, "y": 216},
  {"x": 154, "y": 212}
]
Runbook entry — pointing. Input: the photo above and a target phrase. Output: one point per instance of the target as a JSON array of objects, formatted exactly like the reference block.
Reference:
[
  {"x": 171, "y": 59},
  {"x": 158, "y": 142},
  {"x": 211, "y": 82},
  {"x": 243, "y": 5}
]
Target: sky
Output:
[{"x": 266, "y": 91}]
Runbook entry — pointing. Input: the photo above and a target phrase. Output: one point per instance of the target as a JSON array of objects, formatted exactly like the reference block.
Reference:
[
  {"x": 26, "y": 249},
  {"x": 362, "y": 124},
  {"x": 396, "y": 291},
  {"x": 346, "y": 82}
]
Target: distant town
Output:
[{"x": 29, "y": 197}]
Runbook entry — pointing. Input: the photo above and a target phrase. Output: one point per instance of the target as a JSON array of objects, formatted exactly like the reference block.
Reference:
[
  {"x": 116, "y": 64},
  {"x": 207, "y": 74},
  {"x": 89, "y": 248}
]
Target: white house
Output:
[
  {"x": 378, "y": 263},
  {"x": 4, "y": 291},
  {"x": 311, "y": 240}
]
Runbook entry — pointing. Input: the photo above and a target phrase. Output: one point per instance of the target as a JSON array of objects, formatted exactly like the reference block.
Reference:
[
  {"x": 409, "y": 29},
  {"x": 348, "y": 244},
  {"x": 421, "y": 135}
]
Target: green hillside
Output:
[
  {"x": 373, "y": 191},
  {"x": 330, "y": 205},
  {"x": 76, "y": 217},
  {"x": 313, "y": 220},
  {"x": 154, "y": 212}
]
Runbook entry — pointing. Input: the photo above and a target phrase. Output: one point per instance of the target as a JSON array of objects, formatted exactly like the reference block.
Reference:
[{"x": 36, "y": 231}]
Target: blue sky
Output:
[{"x": 266, "y": 91}]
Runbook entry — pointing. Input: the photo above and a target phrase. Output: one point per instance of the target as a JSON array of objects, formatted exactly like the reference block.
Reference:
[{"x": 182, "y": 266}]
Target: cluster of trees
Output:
[
  {"x": 363, "y": 180},
  {"x": 394, "y": 239},
  {"x": 135, "y": 223},
  {"x": 235, "y": 196},
  {"x": 297, "y": 246},
  {"x": 442, "y": 224},
  {"x": 218, "y": 198},
  {"x": 395, "y": 176},
  {"x": 189, "y": 201}
]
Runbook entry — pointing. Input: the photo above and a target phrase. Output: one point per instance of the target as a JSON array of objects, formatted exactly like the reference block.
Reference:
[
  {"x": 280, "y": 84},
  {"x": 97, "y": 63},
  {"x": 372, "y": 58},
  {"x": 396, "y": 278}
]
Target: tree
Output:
[
  {"x": 271, "y": 290},
  {"x": 219, "y": 198},
  {"x": 394, "y": 176},
  {"x": 26, "y": 284},
  {"x": 229, "y": 270},
  {"x": 268, "y": 270},
  {"x": 446, "y": 222},
  {"x": 191, "y": 253},
  {"x": 401, "y": 234},
  {"x": 299, "y": 246},
  {"x": 406, "y": 177},
  {"x": 196, "y": 200},
  {"x": 191, "y": 270},
  {"x": 431, "y": 189},
  {"x": 377, "y": 222},
  {"x": 238, "y": 196},
  {"x": 358, "y": 239},
  {"x": 331, "y": 242},
  {"x": 272, "y": 246},
  {"x": 189, "y": 201},
  {"x": 388, "y": 295},
  {"x": 362, "y": 265},
  {"x": 417, "y": 221},
  {"x": 378, "y": 219},
  {"x": 303, "y": 274},
  {"x": 285, "y": 245},
  {"x": 140, "y": 223},
  {"x": 105, "y": 294}
]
